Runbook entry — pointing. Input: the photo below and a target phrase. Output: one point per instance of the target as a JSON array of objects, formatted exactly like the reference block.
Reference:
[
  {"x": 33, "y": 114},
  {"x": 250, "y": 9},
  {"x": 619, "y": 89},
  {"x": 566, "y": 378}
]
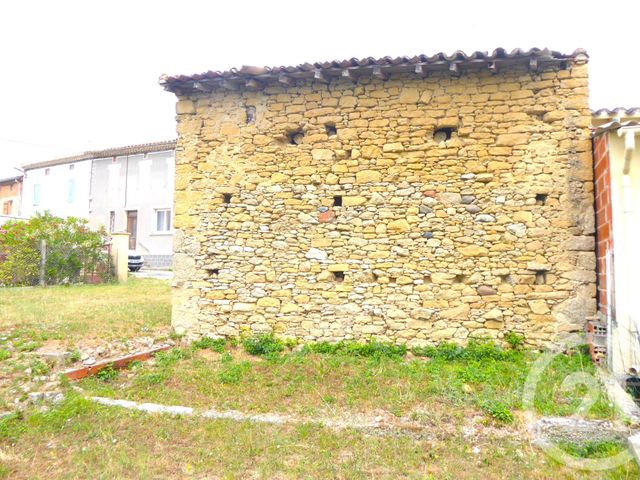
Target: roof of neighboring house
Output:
[
  {"x": 604, "y": 116},
  {"x": 616, "y": 112},
  {"x": 614, "y": 125},
  {"x": 107, "y": 153},
  {"x": 251, "y": 77},
  {"x": 11, "y": 178}
]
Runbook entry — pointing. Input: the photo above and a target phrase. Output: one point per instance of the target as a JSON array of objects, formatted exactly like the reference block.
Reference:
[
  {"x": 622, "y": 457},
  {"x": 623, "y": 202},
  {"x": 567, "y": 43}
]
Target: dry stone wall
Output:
[{"x": 415, "y": 209}]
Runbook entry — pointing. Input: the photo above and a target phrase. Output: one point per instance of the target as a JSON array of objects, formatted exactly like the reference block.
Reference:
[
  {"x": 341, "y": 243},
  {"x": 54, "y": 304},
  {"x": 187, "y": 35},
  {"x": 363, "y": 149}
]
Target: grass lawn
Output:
[
  {"x": 70, "y": 319},
  {"x": 447, "y": 392},
  {"x": 77, "y": 312},
  {"x": 79, "y": 439}
]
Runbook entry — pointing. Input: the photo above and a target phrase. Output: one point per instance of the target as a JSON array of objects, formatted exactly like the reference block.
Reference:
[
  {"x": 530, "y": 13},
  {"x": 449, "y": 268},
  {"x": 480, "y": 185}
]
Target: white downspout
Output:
[{"x": 629, "y": 234}]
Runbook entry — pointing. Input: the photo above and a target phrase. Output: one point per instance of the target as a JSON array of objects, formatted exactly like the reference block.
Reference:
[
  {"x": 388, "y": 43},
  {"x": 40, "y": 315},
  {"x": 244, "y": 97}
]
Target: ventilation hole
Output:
[
  {"x": 337, "y": 201},
  {"x": 427, "y": 279},
  {"x": 442, "y": 134},
  {"x": 460, "y": 279},
  {"x": 392, "y": 280},
  {"x": 541, "y": 278},
  {"x": 506, "y": 279},
  {"x": 331, "y": 129},
  {"x": 374, "y": 277},
  {"x": 541, "y": 198},
  {"x": 338, "y": 277},
  {"x": 295, "y": 137},
  {"x": 251, "y": 114},
  {"x": 226, "y": 197},
  {"x": 212, "y": 271}
]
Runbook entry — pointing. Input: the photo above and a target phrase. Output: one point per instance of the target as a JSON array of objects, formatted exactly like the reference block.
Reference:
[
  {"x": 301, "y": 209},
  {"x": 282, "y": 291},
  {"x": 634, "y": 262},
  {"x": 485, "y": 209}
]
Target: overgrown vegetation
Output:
[
  {"x": 370, "y": 349},
  {"x": 215, "y": 344},
  {"x": 263, "y": 345},
  {"x": 107, "y": 374},
  {"x": 74, "y": 251}
]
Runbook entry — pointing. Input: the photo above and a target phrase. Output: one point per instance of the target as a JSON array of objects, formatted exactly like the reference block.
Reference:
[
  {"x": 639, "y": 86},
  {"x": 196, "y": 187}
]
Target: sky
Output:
[{"x": 83, "y": 75}]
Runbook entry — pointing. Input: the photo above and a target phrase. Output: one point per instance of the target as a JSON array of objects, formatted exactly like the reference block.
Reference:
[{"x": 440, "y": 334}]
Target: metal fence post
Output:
[{"x": 43, "y": 261}]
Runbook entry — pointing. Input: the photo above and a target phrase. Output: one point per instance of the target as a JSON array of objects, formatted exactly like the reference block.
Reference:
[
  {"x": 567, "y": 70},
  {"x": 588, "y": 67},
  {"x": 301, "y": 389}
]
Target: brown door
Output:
[{"x": 132, "y": 228}]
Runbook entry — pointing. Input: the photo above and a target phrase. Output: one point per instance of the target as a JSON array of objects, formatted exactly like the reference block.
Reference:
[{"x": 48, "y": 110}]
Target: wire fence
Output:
[{"x": 56, "y": 264}]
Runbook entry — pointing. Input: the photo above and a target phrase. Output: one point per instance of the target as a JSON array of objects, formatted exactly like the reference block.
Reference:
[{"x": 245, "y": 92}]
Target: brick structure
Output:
[
  {"x": 604, "y": 215},
  {"x": 415, "y": 200}
]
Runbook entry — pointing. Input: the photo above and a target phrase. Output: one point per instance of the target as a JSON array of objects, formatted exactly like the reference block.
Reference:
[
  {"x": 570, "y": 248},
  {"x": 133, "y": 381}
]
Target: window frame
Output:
[{"x": 168, "y": 220}]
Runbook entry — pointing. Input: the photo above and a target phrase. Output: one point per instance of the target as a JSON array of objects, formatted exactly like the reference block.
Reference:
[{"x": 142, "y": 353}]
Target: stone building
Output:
[{"x": 416, "y": 200}]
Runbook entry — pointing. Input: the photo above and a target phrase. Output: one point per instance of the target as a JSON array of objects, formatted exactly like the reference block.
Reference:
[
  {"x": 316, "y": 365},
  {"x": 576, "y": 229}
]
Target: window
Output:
[
  {"x": 72, "y": 167},
  {"x": 163, "y": 220},
  {"x": 36, "y": 195},
  {"x": 112, "y": 221},
  {"x": 6, "y": 208},
  {"x": 47, "y": 171},
  {"x": 71, "y": 191}
]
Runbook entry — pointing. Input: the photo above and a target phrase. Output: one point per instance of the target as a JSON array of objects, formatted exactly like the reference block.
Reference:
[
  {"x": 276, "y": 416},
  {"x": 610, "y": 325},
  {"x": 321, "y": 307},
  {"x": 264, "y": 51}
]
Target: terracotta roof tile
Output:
[
  {"x": 333, "y": 68},
  {"x": 107, "y": 153}
]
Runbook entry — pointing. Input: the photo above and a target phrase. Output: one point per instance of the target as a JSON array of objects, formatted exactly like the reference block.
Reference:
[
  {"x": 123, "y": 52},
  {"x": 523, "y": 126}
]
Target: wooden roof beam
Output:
[{"x": 379, "y": 73}]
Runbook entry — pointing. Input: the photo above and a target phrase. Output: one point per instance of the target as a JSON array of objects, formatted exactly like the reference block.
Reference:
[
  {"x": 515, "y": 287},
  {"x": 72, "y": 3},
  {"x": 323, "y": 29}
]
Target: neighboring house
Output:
[
  {"x": 123, "y": 189},
  {"x": 415, "y": 199},
  {"x": 59, "y": 186},
  {"x": 10, "y": 195},
  {"x": 132, "y": 190},
  {"x": 616, "y": 336}
]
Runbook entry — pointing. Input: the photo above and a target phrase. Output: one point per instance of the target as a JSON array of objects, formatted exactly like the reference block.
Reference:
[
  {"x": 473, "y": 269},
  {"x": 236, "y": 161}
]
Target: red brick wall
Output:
[{"x": 604, "y": 227}]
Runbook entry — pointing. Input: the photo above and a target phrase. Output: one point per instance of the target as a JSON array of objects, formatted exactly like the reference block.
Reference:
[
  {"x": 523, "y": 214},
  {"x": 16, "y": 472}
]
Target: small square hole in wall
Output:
[
  {"x": 541, "y": 198},
  {"x": 507, "y": 279},
  {"x": 337, "y": 200},
  {"x": 427, "y": 279},
  {"x": 331, "y": 129},
  {"x": 338, "y": 277},
  {"x": 214, "y": 271},
  {"x": 392, "y": 281},
  {"x": 443, "y": 134},
  {"x": 226, "y": 198},
  {"x": 250, "y": 114},
  {"x": 295, "y": 137},
  {"x": 541, "y": 278},
  {"x": 459, "y": 279}
]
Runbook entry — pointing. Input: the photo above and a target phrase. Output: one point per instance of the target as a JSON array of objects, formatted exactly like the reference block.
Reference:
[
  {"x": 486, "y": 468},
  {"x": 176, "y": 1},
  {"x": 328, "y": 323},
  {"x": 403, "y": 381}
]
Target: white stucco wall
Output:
[
  {"x": 54, "y": 187},
  {"x": 143, "y": 183},
  {"x": 625, "y": 339}
]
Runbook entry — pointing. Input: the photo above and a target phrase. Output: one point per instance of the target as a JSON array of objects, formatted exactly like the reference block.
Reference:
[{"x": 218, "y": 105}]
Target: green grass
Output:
[
  {"x": 34, "y": 315},
  {"x": 481, "y": 378},
  {"x": 79, "y": 439}
]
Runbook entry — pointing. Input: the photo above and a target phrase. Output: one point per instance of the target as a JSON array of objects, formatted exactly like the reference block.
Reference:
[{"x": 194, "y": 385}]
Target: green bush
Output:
[
  {"x": 73, "y": 250},
  {"x": 370, "y": 349},
  {"x": 498, "y": 410},
  {"x": 263, "y": 345},
  {"x": 215, "y": 344},
  {"x": 515, "y": 340},
  {"x": 475, "y": 350},
  {"x": 107, "y": 374}
]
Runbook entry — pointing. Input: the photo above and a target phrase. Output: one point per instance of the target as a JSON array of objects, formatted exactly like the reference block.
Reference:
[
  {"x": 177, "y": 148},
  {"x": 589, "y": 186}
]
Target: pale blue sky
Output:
[{"x": 79, "y": 75}]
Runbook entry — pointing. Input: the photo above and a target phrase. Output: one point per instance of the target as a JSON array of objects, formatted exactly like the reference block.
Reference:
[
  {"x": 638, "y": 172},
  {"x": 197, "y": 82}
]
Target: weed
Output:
[
  {"x": 167, "y": 358},
  {"x": 515, "y": 340},
  {"x": 74, "y": 356},
  {"x": 370, "y": 349},
  {"x": 24, "y": 346},
  {"x": 498, "y": 410},
  {"x": 38, "y": 368},
  {"x": 135, "y": 365},
  {"x": 153, "y": 378},
  {"x": 215, "y": 344},
  {"x": 475, "y": 350},
  {"x": 4, "y": 354},
  {"x": 263, "y": 345},
  {"x": 231, "y": 373},
  {"x": 107, "y": 374},
  {"x": 596, "y": 449}
]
